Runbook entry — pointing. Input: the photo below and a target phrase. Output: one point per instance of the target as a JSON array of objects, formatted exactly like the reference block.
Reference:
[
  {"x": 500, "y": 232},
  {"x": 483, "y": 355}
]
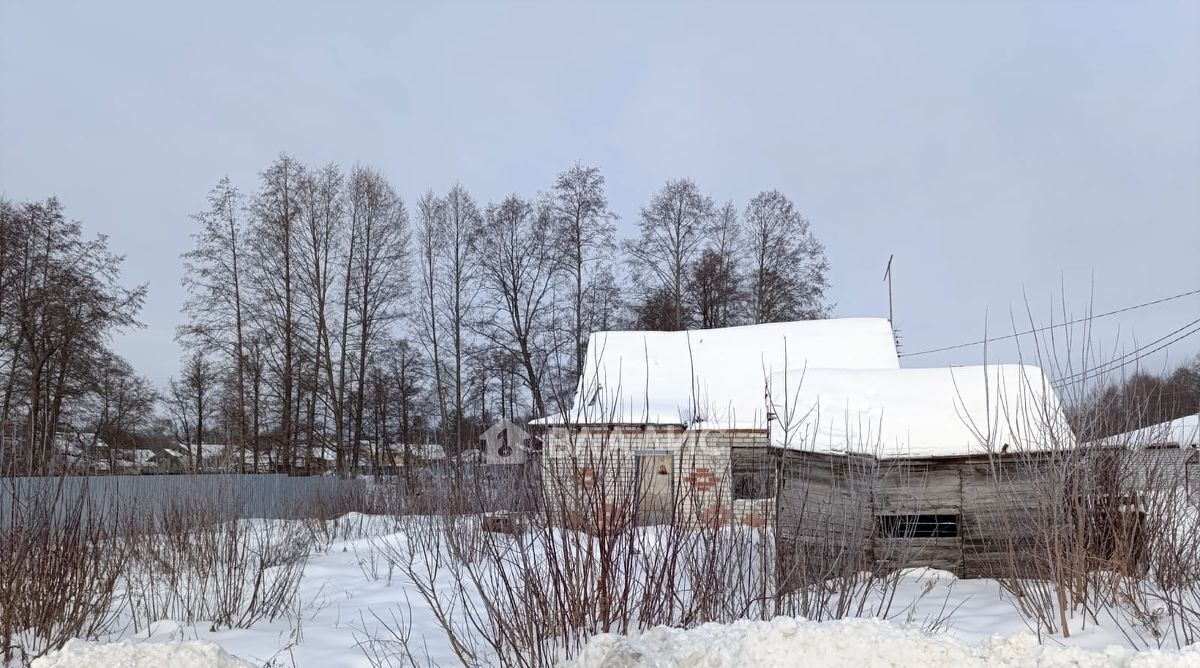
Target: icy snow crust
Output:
[
  {"x": 715, "y": 376},
  {"x": 918, "y": 412},
  {"x": 859, "y": 643},
  {"x": 129, "y": 654}
]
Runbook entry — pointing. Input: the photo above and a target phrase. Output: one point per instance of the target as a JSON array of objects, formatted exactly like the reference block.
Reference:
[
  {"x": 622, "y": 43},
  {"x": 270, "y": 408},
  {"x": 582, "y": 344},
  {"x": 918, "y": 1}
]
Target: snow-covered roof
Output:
[
  {"x": 890, "y": 413},
  {"x": 76, "y": 442},
  {"x": 714, "y": 376},
  {"x": 418, "y": 451},
  {"x": 1183, "y": 432},
  {"x": 207, "y": 450}
]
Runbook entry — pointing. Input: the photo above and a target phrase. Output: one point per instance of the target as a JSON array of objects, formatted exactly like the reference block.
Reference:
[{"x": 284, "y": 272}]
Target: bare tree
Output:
[
  {"x": 519, "y": 277},
  {"x": 120, "y": 404},
  {"x": 787, "y": 278},
  {"x": 714, "y": 282},
  {"x": 459, "y": 293},
  {"x": 62, "y": 300},
  {"x": 673, "y": 230},
  {"x": 583, "y": 233},
  {"x": 276, "y": 270},
  {"x": 405, "y": 367},
  {"x": 191, "y": 403},
  {"x": 380, "y": 223},
  {"x": 431, "y": 235},
  {"x": 214, "y": 276},
  {"x": 320, "y": 247},
  {"x": 714, "y": 290}
]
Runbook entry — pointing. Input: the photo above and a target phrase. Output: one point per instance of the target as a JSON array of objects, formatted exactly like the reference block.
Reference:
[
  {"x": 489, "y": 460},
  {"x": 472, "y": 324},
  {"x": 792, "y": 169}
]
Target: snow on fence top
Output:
[
  {"x": 894, "y": 413},
  {"x": 1183, "y": 432},
  {"x": 714, "y": 376}
]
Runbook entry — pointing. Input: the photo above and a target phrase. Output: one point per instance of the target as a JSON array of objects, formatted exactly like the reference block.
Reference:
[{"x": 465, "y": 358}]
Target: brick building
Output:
[{"x": 675, "y": 426}]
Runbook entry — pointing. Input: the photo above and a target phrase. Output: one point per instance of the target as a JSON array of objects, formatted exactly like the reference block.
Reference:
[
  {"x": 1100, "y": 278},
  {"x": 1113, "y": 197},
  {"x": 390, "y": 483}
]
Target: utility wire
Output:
[
  {"x": 1055, "y": 326},
  {"x": 1105, "y": 367},
  {"x": 1133, "y": 352}
]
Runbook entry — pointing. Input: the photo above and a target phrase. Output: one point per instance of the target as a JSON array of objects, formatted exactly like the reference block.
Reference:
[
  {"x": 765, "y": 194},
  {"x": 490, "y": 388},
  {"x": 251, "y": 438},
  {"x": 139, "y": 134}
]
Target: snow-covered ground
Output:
[
  {"x": 355, "y": 608},
  {"x": 784, "y": 642},
  {"x": 131, "y": 654}
]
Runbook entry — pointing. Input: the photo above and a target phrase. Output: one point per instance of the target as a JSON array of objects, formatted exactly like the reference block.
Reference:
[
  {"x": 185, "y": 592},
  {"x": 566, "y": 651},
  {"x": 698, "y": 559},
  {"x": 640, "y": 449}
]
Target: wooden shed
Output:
[{"x": 952, "y": 469}]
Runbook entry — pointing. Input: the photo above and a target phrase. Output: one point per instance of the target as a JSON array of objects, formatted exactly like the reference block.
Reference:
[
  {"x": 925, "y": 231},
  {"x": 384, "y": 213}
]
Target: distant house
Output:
[
  {"x": 420, "y": 454},
  {"x": 321, "y": 459},
  {"x": 1181, "y": 432},
  {"x": 1167, "y": 453}
]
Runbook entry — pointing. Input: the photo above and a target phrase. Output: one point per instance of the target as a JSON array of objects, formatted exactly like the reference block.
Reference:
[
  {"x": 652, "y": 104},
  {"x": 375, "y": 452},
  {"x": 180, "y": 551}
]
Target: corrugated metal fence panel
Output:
[{"x": 149, "y": 496}]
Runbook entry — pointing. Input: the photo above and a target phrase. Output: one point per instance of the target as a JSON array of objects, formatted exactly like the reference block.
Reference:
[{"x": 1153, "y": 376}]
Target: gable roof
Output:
[
  {"x": 893, "y": 413},
  {"x": 716, "y": 376}
]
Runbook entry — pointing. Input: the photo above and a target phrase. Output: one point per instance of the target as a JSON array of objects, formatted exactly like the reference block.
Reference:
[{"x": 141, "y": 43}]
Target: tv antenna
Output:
[{"x": 887, "y": 276}]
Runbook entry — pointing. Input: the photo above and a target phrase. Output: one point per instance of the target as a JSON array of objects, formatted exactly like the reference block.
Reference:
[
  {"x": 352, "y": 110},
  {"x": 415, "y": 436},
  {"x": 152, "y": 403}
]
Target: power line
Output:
[
  {"x": 1055, "y": 326},
  {"x": 1135, "y": 351},
  {"x": 1103, "y": 368}
]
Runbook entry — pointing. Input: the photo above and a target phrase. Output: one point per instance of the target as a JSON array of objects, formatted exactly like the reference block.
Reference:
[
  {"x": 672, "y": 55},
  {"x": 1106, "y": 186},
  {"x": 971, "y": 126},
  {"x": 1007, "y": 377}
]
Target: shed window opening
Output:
[
  {"x": 916, "y": 526},
  {"x": 753, "y": 474}
]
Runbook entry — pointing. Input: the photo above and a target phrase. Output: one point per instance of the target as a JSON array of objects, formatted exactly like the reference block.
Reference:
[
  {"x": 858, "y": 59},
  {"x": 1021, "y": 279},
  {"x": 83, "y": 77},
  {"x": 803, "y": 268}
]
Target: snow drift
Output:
[
  {"x": 129, "y": 654},
  {"x": 861, "y": 643}
]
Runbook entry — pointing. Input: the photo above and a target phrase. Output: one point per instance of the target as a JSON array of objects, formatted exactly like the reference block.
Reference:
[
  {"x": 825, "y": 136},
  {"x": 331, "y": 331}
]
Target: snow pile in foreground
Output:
[
  {"x": 127, "y": 654},
  {"x": 860, "y": 643}
]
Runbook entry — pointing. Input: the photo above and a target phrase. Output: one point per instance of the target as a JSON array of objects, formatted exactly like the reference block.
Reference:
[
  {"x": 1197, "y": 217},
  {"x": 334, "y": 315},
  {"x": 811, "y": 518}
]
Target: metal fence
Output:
[{"x": 148, "y": 497}]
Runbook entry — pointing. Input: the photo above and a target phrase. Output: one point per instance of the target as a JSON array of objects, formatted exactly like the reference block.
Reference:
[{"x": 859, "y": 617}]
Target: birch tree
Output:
[
  {"x": 431, "y": 236},
  {"x": 214, "y": 276},
  {"x": 787, "y": 265},
  {"x": 61, "y": 301},
  {"x": 276, "y": 270},
  {"x": 320, "y": 247},
  {"x": 714, "y": 282},
  {"x": 519, "y": 275},
  {"x": 672, "y": 232},
  {"x": 459, "y": 295},
  {"x": 380, "y": 223},
  {"x": 583, "y": 236}
]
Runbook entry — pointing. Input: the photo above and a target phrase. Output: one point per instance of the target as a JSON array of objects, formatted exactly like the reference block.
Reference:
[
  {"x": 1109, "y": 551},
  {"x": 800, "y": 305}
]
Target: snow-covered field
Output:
[{"x": 355, "y": 606}]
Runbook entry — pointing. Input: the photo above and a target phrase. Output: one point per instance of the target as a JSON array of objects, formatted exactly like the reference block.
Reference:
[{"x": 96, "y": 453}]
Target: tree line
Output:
[
  {"x": 1138, "y": 400},
  {"x": 328, "y": 315},
  {"x": 60, "y": 303},
  {"x": 325, "y": 314}
]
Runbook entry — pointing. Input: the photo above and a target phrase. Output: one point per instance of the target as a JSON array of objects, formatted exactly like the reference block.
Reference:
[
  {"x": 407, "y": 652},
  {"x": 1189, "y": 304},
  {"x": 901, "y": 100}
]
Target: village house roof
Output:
[
  {"x": 1183, "y": 432},
  {"x": 901, "y": 413},
  {"x": 714, "y": 377}
]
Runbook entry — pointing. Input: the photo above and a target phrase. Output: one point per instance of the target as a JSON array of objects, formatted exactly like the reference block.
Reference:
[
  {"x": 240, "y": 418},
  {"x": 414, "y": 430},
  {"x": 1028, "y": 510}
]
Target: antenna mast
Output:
[{"x": 887, "y": 276}]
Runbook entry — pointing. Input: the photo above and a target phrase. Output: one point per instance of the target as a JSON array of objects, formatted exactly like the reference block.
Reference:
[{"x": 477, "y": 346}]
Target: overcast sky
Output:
[{"x": 1022, "y": 149}]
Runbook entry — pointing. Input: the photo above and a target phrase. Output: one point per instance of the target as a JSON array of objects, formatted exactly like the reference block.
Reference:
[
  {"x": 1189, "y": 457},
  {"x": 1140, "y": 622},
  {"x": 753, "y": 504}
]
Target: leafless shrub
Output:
[
  {"x": 202, "y": 566},
  {"x": 60, "y": 567},
  {"x": 1103, "y": 528}
]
